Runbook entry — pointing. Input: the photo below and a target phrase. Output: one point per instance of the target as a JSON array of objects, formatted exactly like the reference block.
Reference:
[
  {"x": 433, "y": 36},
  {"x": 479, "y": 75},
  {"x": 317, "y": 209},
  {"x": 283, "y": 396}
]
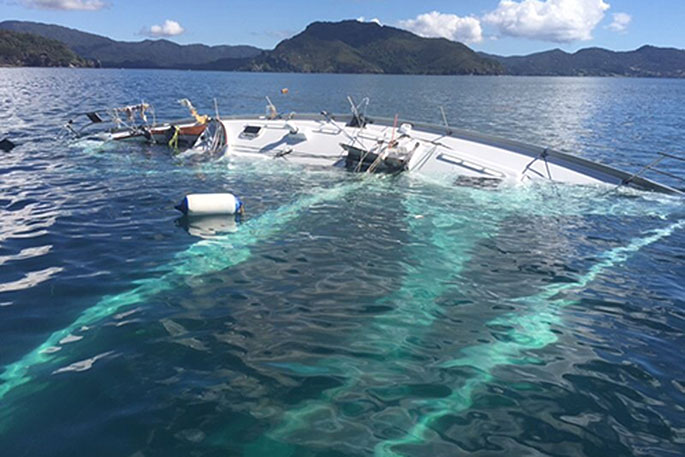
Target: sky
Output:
[{"x": 505, "y": 27}]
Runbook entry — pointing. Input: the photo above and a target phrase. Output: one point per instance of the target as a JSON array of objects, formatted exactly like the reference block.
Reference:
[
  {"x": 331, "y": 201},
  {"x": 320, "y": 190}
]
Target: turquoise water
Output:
[{"x": 345, "y": 315}]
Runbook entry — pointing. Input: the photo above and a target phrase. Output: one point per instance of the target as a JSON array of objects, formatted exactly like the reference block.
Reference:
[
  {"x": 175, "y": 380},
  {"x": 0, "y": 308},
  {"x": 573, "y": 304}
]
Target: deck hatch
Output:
[{"x": 251, "y": 131}]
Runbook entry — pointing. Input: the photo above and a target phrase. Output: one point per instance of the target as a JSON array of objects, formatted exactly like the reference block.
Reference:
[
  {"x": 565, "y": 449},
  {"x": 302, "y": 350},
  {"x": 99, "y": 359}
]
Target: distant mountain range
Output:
[
  {"x": 355, "y": 47},
  {"x": 647, "y": 61},
  {"x": 141, "y": 54},
  {"x": 28, "y": 50}
]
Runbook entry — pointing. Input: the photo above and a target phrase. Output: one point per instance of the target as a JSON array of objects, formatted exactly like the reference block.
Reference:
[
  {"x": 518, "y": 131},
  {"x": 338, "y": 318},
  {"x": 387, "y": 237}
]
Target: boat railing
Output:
[{"x": 652, "y": 167}]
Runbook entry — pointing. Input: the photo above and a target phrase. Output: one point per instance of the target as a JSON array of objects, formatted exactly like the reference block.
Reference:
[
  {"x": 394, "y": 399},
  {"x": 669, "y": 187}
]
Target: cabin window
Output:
[{"x": 251, "y": 131}]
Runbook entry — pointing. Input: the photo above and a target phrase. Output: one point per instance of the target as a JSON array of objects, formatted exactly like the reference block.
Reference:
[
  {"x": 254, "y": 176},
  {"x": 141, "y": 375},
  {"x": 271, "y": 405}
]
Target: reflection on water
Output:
[
  {"x": 208, "y": 226},
  {"x": 344, "y": 315}
]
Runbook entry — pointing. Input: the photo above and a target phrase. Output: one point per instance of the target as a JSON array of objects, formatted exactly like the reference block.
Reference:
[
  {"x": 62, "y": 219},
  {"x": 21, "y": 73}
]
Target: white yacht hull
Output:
[{"x": 436, "y": 152}]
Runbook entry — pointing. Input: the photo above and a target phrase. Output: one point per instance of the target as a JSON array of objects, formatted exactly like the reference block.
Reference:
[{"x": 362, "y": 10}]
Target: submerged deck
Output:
[{"x": 452, "y": 156}]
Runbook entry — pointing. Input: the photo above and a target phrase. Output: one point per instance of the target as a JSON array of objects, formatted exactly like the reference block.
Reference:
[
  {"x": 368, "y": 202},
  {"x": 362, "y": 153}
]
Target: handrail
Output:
[
  {"x": 671, "y": 156},
  {"x": 665, "y": 173},
  {"x": 664, "y": 156}
]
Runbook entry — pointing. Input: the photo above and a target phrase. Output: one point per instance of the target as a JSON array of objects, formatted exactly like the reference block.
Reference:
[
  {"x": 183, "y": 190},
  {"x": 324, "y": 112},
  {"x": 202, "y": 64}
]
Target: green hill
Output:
[
  {"x": 327, "y": 47},
  {"x": 366, "y": 47},
  {"x": 140, "y": 54},
  {"x": 28, "y": 50},
  {"x": 647, "y": 61}
]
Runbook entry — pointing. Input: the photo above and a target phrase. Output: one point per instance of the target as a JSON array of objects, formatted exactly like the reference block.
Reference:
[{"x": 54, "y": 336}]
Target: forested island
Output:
[
  {"x": 325, "y": 47},
  {"x": 29, "y": 50}
]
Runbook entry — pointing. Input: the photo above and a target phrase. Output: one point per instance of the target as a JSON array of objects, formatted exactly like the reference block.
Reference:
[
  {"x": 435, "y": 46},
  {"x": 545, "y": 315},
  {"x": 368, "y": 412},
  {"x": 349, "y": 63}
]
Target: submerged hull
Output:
[
  {"x": 188, "y": 133},
  {"x": 451, "y": 156}
]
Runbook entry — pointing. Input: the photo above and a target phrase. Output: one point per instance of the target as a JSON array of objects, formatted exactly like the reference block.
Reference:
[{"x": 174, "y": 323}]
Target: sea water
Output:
[{"x": 344, "y": 315}]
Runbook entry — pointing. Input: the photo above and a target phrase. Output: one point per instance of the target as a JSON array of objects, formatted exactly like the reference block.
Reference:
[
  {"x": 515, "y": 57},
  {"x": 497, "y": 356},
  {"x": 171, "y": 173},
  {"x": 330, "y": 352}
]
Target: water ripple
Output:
[
  {"x": 30, "y": 279},
  {"x": 340, "y": 316}
]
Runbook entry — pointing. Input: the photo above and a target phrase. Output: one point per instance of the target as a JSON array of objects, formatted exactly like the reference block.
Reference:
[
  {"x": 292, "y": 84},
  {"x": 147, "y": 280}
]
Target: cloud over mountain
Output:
[
  {"x": 168, "y": 29},
  {"x": 66, "y": 5},
  {"x": 620, "y": 22},
  {"x": 450, "y": 26},
  {"x": 560, "y": 21}
]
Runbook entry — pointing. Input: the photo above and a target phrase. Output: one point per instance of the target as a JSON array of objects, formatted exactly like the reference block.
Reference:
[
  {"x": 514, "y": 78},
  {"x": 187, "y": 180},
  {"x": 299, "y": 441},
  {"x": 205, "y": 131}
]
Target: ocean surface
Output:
[{"x": 344, "y": 315}]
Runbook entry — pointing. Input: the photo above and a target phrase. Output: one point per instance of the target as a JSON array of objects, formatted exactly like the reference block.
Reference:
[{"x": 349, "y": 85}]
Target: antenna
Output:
[
  {"x": 271, "y": 111},
  {"x": 444, "y": 120},
  {"x": 216, "y": 109},
  {"x": 355, "y": 111}
]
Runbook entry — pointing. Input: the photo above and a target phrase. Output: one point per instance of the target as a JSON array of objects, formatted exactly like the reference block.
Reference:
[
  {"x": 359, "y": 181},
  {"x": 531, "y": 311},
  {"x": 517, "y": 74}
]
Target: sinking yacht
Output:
[
  {"x": 438, "y": 152},
  {"x": 355, "y": 142}
]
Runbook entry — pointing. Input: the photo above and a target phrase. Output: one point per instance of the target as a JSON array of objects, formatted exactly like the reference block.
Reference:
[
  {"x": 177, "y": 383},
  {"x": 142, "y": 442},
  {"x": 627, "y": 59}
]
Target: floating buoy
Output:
[
  {"x": 210, "y": 204},
  {"x": 284, "y": 90}
]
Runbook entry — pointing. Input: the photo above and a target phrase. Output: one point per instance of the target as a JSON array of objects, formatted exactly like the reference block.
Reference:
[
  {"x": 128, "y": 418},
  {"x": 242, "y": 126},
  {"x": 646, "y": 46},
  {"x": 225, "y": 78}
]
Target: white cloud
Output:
[
  {"x": 620, "y": 22},
  {"x": 561, "y": 21},
  {"x": 374, "y": 20},
  {"x": 169, "y": 28},
  {"x": 66, "y": 5},
  {"x": 450, "y": 26}
]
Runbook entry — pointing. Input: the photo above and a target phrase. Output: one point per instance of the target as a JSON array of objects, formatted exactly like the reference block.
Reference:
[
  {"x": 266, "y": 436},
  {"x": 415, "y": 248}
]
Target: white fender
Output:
[{"x": 210, "y": 204}]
